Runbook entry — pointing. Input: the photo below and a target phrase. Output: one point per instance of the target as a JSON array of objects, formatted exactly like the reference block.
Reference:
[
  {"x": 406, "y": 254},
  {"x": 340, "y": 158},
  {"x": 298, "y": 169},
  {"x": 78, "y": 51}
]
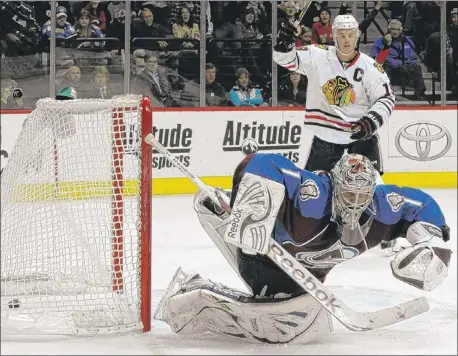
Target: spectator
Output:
[
  {"x": 99, "y": 15},
  {"x": 72, "y": 78},
  {"x": 402, "y": 61},
  {"x": 162, "y": 10},
  {"x": 116, "y": 29},
  {"x": 85, "y": 29},
  {"x": 426, "y": 23},
  {"x": 305, "y": 38},
  {"x": 185, "y": 28},
  {"x": 260, "y": 13},
  {"x": 19, "y": 30},
  {"x": 156, "y": 78},
  {"x": 215, "y": 93},
  {"x": 113, "y": 7},
  {"x": 64, "y": 30},
  {"x": 98, "y": 88},
  {"x": 229, "y": 30},
  {"x": 145, "y": 27},
  {"x": 194, "y": 9},
  {"x": 322, "y": 30},
  {"x": 293, "y": 90},
  {"x": 290, "y": 12},
  {"x": 243, "y": 93},
  {"x": 313, "y": 13},
  {"x": 250, "y": 30},
  {"x": 452, "y": 33},
  {"x": 6, "y": 100}
]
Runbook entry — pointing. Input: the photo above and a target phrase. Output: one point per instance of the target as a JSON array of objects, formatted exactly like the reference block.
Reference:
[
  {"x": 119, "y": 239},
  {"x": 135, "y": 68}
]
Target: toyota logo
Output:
[{"x": 423, "y": 134}]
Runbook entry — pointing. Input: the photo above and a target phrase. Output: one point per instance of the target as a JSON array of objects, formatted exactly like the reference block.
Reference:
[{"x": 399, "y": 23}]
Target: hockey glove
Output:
[
  {"x": 367, "y": 126},
  {"x": 286, "y": 37},
  {"x": 424, "y": 264}
]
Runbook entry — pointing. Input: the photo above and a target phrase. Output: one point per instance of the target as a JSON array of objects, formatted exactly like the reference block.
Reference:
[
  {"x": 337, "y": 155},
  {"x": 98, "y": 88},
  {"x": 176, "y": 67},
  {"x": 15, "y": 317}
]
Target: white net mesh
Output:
[{"x": 70, "y": 219}]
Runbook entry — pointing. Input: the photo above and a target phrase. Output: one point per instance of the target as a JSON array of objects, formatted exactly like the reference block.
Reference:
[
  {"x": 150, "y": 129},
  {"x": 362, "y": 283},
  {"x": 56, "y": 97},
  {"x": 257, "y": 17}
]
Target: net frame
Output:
[{"x": 120, "y": 105}]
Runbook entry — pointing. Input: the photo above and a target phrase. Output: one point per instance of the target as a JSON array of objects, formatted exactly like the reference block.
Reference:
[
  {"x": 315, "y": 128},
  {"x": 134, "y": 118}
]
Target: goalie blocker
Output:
[{"x": 316, "y": 219}]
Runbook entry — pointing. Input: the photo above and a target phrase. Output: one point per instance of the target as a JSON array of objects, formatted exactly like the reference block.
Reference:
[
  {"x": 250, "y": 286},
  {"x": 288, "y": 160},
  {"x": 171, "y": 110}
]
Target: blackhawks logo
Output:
[
  {"x": 379, "y": 67},
  {"x": 322, "y": 46},
  {"x": 339, "y": 92}
]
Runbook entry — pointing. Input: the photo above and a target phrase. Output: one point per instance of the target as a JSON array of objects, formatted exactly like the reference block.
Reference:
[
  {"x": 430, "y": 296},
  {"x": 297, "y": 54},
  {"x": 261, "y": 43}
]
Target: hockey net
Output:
[{"x": 75, "y": 219}]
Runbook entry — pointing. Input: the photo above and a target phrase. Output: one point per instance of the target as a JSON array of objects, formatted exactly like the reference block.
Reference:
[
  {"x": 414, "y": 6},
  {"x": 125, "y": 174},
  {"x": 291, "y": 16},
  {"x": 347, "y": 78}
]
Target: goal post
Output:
[{"x": 76, "y": 219}]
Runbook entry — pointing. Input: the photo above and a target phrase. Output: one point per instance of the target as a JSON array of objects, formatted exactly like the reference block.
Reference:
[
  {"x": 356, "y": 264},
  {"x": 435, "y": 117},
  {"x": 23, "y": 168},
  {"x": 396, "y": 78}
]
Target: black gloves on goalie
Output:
[
  {"x": 286, "y": 38},
  {"x": 367, "y": 126}
]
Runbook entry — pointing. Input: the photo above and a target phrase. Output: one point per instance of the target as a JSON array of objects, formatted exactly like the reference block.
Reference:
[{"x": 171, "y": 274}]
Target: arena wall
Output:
[{"x": 419, "y": 144}]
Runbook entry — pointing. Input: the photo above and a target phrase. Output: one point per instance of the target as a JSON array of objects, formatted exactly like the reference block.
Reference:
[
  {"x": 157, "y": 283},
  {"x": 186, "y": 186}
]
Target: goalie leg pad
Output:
[
  {"x": 194, "y": 305},
  {"x": 214, "y": 221},
  {"x": 254, "y": 213}
]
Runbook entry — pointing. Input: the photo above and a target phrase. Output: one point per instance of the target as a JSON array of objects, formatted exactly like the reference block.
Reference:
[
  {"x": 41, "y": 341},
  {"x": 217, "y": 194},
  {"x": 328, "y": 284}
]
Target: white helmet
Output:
[
  {"x": 354, "y": 181},
  {"x": 344, "y": 22}
]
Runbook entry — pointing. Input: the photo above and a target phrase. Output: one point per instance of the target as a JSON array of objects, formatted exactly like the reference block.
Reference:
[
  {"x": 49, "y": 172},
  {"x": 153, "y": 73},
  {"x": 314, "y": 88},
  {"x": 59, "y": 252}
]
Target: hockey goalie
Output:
[{"x": 321, "y": 220}]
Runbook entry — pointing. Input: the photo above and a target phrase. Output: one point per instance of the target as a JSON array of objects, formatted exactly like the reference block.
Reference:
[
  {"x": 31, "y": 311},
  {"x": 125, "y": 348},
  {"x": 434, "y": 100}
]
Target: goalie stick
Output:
[{"x": 353, "y": 320}]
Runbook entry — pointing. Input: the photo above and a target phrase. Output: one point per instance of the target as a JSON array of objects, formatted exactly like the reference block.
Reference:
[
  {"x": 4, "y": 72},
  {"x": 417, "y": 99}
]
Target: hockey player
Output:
[
  {"x": 349, "y": 96},
  {"x": 319, "y": 219}
]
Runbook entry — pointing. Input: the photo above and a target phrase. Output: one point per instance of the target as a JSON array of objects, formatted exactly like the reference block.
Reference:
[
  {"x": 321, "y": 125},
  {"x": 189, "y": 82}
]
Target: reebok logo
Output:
[
  {"x": 293, "y": 268},
  {"x": 235, "y": 222}
]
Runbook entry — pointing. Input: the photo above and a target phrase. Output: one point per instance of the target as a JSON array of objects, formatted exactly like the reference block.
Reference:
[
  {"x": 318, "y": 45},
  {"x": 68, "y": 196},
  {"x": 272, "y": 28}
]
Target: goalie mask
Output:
[{"x": 354, "y": 182}]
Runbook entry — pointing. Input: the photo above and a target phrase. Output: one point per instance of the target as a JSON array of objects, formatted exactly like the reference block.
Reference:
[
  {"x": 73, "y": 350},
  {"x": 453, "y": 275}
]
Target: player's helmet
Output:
[
  {"x": 344, "y": 22},
  {"x": 354, "y": 181}
]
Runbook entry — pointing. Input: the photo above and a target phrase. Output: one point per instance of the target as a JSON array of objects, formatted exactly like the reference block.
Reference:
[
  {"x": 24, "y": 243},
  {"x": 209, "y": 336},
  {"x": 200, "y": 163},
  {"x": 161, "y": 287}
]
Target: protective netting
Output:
[{"x": 70, "y": 219}]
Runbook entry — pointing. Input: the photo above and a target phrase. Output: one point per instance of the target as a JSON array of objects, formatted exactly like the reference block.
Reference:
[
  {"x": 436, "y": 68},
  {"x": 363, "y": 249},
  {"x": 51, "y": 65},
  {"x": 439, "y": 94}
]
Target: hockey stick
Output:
[
  {"x": 350, "y": 318},
  {"x": 301, "y": 15}
]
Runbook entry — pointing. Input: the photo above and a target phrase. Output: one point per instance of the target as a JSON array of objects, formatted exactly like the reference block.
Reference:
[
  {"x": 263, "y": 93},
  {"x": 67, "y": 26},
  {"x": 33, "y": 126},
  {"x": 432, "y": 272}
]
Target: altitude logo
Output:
[
  {"x": 177, "y": 140},
  {"x": 254, "y": 137}
]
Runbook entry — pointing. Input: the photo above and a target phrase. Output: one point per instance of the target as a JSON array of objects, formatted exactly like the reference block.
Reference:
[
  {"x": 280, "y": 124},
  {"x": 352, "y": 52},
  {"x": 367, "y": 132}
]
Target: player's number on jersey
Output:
[{"x": 389, "y": 90}]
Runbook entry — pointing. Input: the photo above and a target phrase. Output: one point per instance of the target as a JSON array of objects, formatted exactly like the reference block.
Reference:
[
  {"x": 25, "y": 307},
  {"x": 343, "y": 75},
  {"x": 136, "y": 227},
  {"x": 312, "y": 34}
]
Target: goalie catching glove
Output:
[{"x": 424, "y": 264}]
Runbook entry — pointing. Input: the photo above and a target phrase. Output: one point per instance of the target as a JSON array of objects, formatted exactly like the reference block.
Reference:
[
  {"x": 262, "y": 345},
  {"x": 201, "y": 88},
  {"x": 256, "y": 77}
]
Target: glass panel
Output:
[
  {"x": 407, "y": 28},
  {"x": 452, "y": 52},
  {"x": 90, "y": 49},
  {"x": 412, "y": 61},
  {"x": 166, "y": 49},
  {"x": 240, "y": 50},
  {"x": 24, "y": 54}
]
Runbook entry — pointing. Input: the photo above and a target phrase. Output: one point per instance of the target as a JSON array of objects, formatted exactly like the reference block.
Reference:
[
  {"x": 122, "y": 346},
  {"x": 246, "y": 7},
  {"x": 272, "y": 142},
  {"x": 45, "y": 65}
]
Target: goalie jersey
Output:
[
  {"x": 304, "y": 226},
  {"x": 339, "y": 94}
]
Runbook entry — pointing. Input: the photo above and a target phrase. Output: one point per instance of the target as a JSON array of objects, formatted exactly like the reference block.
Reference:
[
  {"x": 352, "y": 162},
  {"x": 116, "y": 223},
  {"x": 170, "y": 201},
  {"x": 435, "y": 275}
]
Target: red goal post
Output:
[{"x": 76, "y": 219}]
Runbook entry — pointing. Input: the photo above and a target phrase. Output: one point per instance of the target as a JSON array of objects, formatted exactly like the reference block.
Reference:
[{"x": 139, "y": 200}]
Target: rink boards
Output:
[{"x": 418, "y": 144}]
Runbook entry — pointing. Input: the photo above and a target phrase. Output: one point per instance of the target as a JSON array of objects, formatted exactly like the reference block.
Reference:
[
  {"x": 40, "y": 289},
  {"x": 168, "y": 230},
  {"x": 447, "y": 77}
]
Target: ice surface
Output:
[{"x": 365, "y": 283}]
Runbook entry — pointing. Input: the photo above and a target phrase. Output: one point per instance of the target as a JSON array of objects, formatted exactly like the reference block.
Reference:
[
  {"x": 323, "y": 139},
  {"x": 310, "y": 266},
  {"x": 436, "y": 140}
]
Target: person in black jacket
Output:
[
  {"x": 293, "y": 90},
  {"x": 215, "y": 93}
]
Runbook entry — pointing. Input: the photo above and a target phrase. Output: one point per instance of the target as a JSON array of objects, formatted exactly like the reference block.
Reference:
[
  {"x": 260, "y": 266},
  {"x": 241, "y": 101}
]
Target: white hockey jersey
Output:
[{"x": 338, "y": 96}]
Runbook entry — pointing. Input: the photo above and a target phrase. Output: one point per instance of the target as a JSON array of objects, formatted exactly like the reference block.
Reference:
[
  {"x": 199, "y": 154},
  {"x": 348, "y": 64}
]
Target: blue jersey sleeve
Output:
[
  {"x": 395, "y": 203},
  {"x": 308, "y": 192}
]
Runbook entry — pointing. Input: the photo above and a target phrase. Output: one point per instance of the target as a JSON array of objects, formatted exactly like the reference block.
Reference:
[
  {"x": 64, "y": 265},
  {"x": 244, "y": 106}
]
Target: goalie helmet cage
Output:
[{"x": 76, "y": 219}]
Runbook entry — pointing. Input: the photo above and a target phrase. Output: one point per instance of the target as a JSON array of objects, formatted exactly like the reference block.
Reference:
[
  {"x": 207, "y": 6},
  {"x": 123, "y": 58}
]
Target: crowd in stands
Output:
[{"x": 166, "y": 44}]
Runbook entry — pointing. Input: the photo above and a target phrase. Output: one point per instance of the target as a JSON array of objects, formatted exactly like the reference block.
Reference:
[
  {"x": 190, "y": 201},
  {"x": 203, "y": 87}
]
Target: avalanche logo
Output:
[
  {"x": 329, "y": 257},
  {"x": 249, "y": 146},
  {"x": 309, "y": 190},
  {"x": 395, "y": 200},
  {"x": 339, "y": 92}
]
